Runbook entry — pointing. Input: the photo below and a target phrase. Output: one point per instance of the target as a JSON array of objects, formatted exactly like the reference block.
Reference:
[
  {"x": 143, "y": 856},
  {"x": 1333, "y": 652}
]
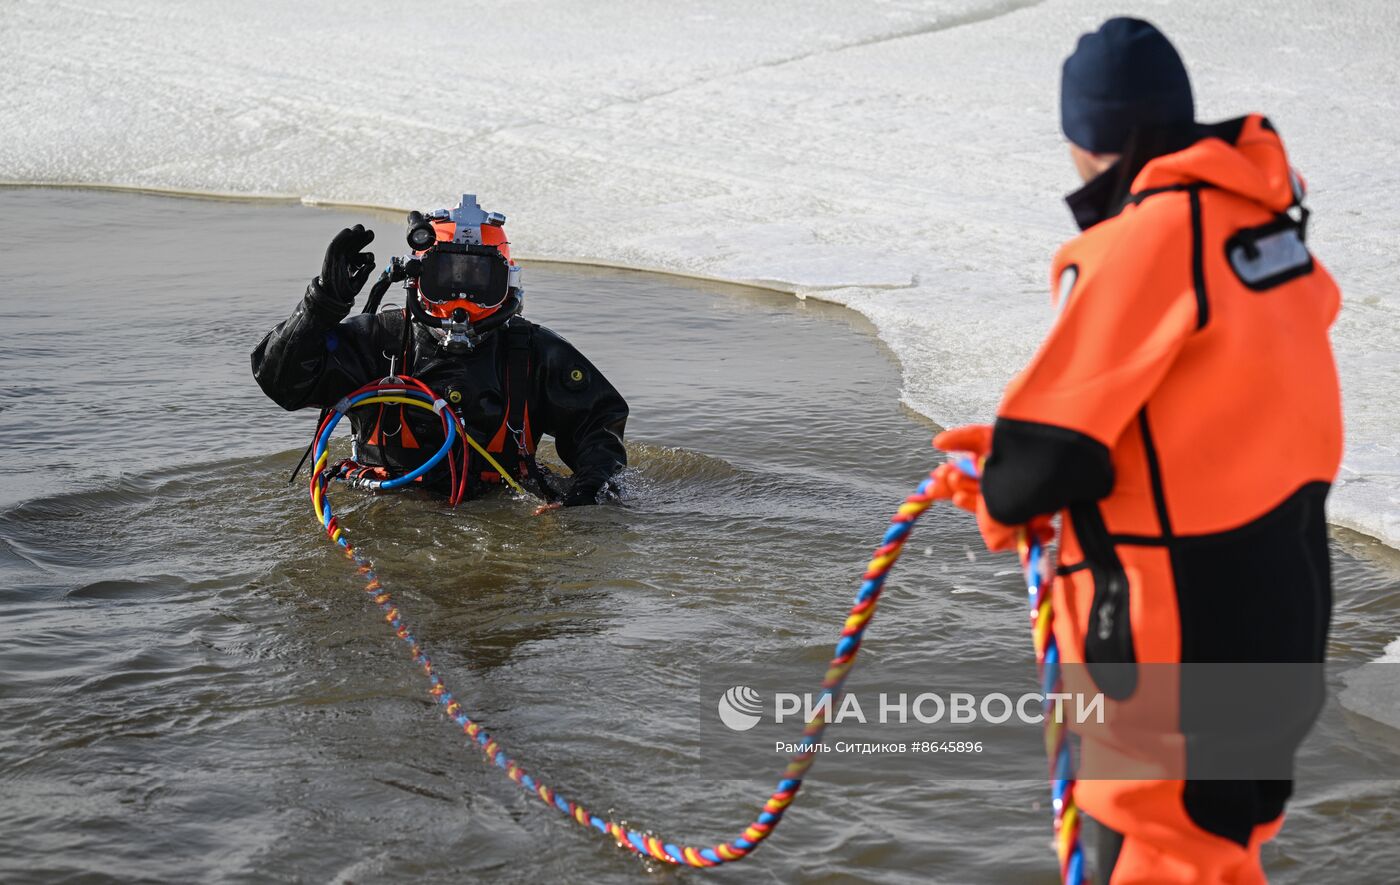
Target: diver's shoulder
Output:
[
  {"x": 382, "y": 329},
  {"x": 363, "y": 322},
  {"x": 542, "y": 336}
]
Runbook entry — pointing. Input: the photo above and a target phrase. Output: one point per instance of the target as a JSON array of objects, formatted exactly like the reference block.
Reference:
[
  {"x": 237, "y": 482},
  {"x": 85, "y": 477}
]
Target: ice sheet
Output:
[
  {"x": 1372, "y": 691},
  {"x": 901, "y": 157}
]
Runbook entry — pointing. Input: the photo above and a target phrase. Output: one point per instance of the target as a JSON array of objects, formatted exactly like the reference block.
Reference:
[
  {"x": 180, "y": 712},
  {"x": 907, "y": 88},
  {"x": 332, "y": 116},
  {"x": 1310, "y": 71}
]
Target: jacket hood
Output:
[{"x": 1243, "y": 156}]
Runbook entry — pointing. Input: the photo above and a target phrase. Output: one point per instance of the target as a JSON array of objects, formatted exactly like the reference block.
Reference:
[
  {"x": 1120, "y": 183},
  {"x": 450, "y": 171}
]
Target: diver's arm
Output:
[
  {"x": 583, "y": 412},
  {"x": 313, "y": 359}
]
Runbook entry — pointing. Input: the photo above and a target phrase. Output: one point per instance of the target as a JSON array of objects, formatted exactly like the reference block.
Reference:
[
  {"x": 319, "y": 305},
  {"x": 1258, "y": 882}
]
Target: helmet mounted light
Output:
[{"x": 421, "y": 234}]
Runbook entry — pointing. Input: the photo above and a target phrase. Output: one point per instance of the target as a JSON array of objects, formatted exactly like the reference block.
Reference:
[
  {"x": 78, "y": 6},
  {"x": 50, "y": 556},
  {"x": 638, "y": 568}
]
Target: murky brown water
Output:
[{"x": 195, "y": 690}]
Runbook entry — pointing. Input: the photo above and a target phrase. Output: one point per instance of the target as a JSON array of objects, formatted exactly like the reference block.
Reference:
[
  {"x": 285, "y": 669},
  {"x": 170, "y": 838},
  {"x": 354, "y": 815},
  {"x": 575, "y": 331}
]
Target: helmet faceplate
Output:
[{"x": 469, "y": 225}]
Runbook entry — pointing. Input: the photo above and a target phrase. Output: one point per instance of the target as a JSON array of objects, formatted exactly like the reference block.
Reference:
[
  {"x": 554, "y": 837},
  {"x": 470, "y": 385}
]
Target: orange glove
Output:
[
  {"x": 999, "y": 537},
  {"x": 975, "y": 439},
  {"x": 951, "y": 483},
  {"x": 966, "y": 491}
]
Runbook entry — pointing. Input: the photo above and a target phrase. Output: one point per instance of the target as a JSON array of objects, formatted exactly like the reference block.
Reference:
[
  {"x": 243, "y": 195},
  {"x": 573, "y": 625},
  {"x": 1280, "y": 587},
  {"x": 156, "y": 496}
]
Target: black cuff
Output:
[
  {"x": 1035, "y": 469},
  {"x": 323, "y": 306}
]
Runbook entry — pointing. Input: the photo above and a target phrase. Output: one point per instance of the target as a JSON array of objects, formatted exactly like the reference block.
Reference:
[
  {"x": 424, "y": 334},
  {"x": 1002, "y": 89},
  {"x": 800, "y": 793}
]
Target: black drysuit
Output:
[{"x": 316, "y": 357}]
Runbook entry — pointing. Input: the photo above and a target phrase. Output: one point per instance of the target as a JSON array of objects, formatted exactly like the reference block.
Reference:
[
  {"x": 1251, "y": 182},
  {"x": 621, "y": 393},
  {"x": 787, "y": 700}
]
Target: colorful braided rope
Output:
[
  {"x": 647, "y": 845},
  {"x": 1057, "y": 749},
  {"x": 1047, "y": 657}
]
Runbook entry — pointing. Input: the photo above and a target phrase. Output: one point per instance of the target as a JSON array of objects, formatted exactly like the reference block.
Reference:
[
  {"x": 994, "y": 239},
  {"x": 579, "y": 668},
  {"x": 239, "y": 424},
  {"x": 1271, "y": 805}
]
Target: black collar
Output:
[
  {"x": 1098, "y": 200},
  {"x": 1105, "y": 195}
]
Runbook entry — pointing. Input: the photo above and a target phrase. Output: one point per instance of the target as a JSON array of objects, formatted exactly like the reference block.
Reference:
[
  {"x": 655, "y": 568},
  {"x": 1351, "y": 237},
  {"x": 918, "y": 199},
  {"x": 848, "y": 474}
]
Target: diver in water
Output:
[
  {"x": 1183, "y": 417},
  {"x": 460, "y": 332}
]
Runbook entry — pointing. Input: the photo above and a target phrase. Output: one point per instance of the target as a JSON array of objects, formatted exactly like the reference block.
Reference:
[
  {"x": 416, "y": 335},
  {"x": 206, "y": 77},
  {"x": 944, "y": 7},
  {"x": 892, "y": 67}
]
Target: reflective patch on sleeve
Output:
[
  {"x": 575, "y": 377},
  {"x": 1068, "y": 277},
  {"x": 1268, "y": 256},
  {"x": 1295, "y": 181}
]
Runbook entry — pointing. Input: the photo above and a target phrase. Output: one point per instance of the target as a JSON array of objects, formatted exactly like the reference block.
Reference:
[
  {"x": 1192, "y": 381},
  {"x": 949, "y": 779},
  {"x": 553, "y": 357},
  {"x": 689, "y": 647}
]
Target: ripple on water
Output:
[{"x": 194, "y": 688}]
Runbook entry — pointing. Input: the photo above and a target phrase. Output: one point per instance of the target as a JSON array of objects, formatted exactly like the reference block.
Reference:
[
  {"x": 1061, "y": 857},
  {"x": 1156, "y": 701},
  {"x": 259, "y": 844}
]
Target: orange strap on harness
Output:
[{"x": 516, "y": 424}]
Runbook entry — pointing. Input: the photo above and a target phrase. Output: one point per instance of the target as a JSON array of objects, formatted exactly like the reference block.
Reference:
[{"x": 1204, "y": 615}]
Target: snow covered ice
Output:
[{"x": 901, "y": 157}]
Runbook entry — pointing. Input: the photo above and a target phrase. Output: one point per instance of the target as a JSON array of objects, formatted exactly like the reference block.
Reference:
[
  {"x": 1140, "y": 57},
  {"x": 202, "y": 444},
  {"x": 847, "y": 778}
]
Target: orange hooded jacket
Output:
[{"x": 1184, "y": 416}]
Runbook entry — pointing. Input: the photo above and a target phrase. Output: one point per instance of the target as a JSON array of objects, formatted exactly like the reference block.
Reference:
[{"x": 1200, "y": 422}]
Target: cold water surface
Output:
[{"x": 194, "y": 688}]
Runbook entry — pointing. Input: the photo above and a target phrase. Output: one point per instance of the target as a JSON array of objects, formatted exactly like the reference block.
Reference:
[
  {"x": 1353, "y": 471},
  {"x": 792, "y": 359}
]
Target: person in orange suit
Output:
[{"x": 1182, "y": 419}]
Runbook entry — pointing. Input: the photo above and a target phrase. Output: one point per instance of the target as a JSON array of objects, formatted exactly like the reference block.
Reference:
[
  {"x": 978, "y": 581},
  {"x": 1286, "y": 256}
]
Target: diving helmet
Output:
[{"x": 461, "y": 280}]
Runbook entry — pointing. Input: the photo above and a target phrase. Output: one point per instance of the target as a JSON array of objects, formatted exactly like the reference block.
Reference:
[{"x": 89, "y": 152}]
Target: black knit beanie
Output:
[{"x": 1124, "y": 76}]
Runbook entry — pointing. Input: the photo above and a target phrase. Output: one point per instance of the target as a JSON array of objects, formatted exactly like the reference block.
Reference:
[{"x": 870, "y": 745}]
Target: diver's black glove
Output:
[
  {"x": 346, "y": 268},
  {"x": 583, "y": 493},
  {"x": 579, "y": 497}
]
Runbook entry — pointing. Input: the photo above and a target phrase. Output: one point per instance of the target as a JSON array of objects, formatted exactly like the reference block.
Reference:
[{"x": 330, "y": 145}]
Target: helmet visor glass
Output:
[{"x": 479, "y": 277}]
